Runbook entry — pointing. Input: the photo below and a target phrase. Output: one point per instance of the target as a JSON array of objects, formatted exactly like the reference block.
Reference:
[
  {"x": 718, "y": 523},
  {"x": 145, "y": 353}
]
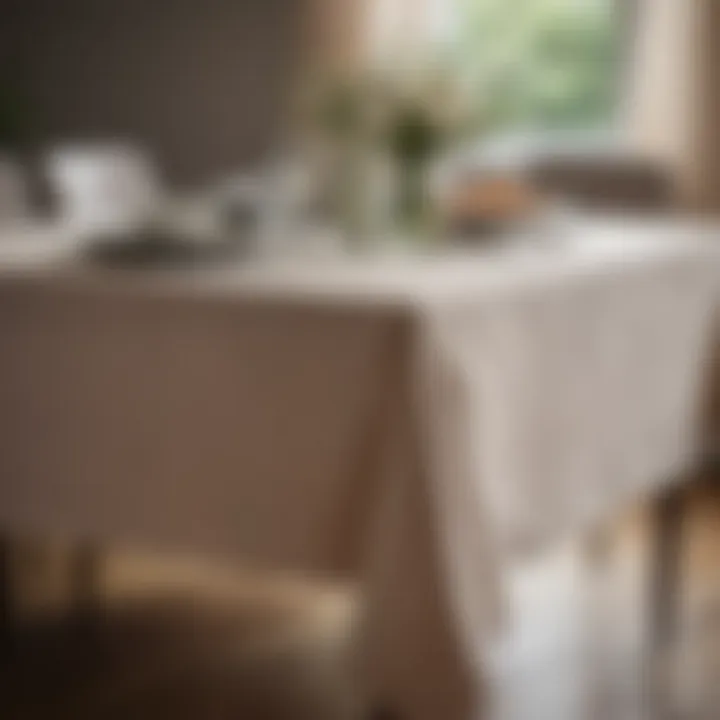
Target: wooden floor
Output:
[{"x": 185, "y": 640}]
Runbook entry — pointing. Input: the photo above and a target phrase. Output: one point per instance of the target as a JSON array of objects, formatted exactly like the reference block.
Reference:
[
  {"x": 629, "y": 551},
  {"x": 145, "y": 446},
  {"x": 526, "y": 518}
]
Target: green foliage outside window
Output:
[{"x": 540, "y": 64}]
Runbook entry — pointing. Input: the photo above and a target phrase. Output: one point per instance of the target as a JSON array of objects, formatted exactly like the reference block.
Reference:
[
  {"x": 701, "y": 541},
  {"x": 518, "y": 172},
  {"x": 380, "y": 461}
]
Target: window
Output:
[{"x": 541, "y": 64}]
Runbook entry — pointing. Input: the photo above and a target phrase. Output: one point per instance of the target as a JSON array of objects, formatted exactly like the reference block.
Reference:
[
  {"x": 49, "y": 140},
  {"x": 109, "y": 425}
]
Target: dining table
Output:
[{"x": 410, "y": 421}]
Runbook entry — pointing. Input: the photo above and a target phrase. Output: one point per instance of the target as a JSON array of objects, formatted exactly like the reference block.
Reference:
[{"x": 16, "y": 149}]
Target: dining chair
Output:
[
  {"x": 606, "y": 182},
  {"x": 190, "y": 639}
]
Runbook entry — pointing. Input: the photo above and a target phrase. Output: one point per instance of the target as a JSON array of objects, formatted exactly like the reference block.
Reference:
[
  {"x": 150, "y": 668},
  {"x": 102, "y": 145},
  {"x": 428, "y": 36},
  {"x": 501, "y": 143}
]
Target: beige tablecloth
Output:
[{"x": 407, "y": 422}]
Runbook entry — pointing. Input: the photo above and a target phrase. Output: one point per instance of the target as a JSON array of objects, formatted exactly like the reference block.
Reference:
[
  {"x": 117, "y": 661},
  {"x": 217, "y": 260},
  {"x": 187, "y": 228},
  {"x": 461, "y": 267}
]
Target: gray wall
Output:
[{"x": 202, "y": 83}]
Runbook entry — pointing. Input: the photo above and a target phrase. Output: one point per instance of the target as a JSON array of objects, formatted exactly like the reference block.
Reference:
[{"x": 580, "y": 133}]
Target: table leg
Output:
[
  {"x": 667, "y": 569},
  {"x": 665, "y": 598},
  {"x": 597, "y": 559}
]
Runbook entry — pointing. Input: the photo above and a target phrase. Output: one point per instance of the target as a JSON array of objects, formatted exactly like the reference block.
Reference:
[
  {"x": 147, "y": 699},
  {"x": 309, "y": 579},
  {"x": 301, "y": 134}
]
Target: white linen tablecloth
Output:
[{"x": 407, "y": 422}]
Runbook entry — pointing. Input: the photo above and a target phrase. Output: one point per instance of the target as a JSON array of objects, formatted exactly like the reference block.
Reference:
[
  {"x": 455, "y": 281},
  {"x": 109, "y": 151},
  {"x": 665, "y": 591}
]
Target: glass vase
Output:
[{"x": 414, "y": 215}]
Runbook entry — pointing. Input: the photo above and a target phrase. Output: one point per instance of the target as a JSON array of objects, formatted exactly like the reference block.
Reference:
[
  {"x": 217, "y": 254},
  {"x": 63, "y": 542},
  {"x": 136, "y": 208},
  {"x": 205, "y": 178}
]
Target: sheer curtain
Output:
[
  {"x": 408, "y": 28},
  {"x": 334, "y": 33},
  {"x": 673, "y": 103},
  {"x": 706, "y": 119},
  {"x": 352, "y": 33}
]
